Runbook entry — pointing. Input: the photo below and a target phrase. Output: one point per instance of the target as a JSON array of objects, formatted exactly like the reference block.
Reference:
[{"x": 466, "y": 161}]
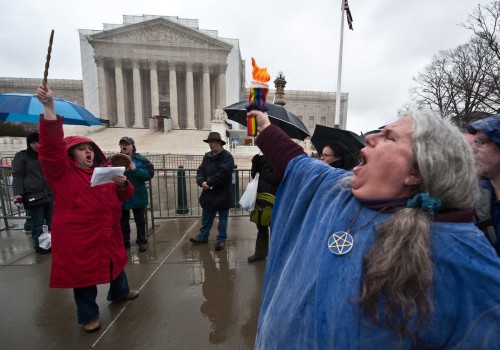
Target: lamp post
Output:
[{"x": 279, "y": 83}]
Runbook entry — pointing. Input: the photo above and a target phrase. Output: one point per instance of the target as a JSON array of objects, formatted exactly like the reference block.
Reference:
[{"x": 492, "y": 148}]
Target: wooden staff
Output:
[{"x": 47, "y": 62}]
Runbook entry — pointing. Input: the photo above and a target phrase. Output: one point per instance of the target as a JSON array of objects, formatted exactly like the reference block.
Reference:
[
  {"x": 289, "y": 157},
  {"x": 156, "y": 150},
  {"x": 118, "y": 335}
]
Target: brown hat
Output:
[{"x": 215, "y": 136}]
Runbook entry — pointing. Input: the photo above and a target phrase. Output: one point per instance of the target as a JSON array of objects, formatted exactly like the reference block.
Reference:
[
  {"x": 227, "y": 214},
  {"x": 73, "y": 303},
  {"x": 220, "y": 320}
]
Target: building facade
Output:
[
  {"x": 314, "y": 107},
  {"x": 156, "y": 69},
  {"x": 68, "y": 89},
  {"x": 162, "y": 72}
]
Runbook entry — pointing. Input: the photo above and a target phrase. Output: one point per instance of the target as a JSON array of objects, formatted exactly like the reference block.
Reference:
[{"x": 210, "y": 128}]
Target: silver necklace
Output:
[{"x": 341, "y": 242}]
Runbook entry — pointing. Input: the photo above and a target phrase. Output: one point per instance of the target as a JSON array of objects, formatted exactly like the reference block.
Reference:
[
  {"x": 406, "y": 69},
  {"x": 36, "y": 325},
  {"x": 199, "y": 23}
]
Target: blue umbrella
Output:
[{"x": 25, "y": 108}]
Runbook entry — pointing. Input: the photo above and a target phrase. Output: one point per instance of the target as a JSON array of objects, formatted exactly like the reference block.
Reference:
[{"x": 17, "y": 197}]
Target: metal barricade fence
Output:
[
  {"x": 7, "y": 208},
  {"x": 171, "y": 161},
  {"x": 173, "y": 194}
]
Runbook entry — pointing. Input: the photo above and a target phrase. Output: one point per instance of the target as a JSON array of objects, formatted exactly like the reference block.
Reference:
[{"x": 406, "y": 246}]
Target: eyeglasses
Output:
[
  {"x": 326, "y": 155},
  {"x": 479, "y": 141}
]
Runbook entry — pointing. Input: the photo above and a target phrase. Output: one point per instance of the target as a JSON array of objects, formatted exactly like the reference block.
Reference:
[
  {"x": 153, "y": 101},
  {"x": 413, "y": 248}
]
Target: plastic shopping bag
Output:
[
  {"x": 247, "y": 200},
  {"x": 44, "y": 241}
]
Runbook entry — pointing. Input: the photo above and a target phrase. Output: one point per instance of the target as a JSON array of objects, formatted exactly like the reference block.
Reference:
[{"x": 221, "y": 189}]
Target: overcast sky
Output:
[{"x": 391, "y": 42}]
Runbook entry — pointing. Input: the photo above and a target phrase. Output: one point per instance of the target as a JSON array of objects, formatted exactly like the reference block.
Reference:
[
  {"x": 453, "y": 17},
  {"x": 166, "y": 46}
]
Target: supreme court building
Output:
[
  {"x": 165, "y": 73},
  {"x": 154, "y": 71}
]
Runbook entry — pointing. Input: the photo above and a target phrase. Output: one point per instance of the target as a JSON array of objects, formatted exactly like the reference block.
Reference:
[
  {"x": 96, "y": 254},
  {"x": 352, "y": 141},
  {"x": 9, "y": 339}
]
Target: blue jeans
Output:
[
  {"x": 41, "y": 215},
  {"x": 86, "y": 306},
  {"x": 207, "y": 220}
]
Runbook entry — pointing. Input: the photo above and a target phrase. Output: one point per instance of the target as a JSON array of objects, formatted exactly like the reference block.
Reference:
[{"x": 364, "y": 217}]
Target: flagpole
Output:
[{"x": 339, "y": 73}]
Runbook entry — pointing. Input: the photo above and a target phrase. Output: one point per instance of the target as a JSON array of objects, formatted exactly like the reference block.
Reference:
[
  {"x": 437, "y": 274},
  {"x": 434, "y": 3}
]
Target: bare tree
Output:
[
  {"x": 484, "y": 22},
  {"x": 432, "y": 90},
  {"x": 459, "y": 83},
  {"x": 463, "y": 84}
]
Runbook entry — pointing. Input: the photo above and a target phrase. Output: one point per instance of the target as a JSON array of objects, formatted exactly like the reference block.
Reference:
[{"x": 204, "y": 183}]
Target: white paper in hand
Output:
[{"x": 104, "y": 175}]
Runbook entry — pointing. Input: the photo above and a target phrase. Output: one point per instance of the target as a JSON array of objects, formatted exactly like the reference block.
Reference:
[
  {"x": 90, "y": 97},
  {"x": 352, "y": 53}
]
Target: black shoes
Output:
[
  {"x": 255, "y": 258},
  {"x": 197, "y": 240},
  {"x": 219, "y": 246},
  {"x": 143, "y": 247},
  {"x": 39, "y": 250}
]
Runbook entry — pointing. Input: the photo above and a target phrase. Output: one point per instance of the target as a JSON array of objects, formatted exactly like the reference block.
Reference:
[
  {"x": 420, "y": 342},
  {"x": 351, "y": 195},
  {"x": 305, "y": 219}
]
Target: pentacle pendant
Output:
[{"x": 340, "y": 243}]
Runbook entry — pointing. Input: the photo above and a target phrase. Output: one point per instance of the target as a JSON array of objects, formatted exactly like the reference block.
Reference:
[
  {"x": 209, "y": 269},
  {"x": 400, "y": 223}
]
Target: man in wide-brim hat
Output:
[{"x": 214, "y": 175}]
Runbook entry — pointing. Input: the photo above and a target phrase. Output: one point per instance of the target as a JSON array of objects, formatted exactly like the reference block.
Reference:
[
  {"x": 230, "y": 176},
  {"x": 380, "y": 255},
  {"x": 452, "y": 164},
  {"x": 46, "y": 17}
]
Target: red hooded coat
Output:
[{"x": 87, "y": 241}]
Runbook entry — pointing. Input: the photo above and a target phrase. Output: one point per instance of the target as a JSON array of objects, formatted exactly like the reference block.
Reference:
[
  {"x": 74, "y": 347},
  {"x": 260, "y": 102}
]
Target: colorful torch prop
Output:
[{"x": 257, "y": 96}]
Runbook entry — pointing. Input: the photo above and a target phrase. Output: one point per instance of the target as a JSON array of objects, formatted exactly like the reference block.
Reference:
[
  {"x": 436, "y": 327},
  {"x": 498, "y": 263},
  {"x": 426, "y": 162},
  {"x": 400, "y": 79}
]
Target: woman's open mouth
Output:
[{"x": 362, "y": 161}]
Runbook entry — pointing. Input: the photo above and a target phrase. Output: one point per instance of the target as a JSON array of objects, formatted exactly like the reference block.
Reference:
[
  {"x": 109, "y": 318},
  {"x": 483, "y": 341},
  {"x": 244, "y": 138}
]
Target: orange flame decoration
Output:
[{"x": 259, "y": 75}]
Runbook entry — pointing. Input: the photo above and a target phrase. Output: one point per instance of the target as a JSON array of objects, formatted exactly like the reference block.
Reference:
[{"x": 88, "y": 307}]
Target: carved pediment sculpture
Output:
[
  {"x": 219, "y": 114},
  {"x": 160, "y": 33}
]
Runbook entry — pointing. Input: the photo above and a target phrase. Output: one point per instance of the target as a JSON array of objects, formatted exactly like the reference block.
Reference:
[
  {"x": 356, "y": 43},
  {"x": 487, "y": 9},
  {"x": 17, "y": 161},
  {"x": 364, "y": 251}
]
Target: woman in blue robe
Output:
[{"x": 385, "y": 257}]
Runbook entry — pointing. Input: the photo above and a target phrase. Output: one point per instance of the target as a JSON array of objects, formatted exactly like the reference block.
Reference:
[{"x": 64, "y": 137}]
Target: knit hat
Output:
[{"x": 33, "y": 137}]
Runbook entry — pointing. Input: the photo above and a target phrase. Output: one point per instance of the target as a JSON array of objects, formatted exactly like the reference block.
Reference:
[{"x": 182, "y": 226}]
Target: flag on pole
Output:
[{"x": 348, "y": 14}]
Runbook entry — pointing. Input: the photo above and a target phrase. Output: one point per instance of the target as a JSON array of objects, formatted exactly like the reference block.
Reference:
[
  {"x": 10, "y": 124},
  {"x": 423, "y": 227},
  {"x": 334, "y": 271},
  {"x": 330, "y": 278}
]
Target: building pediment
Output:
[{"x": 156, "y": 32}]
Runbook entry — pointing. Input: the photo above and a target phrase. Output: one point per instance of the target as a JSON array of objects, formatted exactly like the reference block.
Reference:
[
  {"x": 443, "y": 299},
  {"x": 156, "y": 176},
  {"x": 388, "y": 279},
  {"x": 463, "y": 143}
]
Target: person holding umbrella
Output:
[
  {"x": 385, "y": 257},
  {"x": 337, "y": 145},
  {"x": 87, "y": 242},
  {"x": 333, "y": 154}
]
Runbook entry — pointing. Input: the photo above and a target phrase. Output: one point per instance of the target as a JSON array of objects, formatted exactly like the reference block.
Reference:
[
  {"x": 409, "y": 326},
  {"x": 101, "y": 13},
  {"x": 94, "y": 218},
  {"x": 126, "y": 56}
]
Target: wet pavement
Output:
[{"x": 191, "y": 297}]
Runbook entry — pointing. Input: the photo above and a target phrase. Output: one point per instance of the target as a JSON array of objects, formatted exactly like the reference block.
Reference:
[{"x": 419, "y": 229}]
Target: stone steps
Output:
[{"x": 179, "y": 142}]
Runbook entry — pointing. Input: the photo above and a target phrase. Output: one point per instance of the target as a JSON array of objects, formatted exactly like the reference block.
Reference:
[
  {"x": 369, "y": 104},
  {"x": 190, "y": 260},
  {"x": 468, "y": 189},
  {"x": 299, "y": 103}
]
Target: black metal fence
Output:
[{"x": 160, "y": 161}]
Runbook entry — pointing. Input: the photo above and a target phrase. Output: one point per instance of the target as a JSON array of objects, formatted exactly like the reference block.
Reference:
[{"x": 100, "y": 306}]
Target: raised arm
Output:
[
  {"x": 52, "y": 153},
  {"x": 275, "y": 144},
  {"x": 46, "y": 97}
]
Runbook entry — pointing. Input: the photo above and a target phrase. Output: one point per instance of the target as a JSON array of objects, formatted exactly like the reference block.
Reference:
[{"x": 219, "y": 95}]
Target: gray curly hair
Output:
[{"x": 399, "y": 265}]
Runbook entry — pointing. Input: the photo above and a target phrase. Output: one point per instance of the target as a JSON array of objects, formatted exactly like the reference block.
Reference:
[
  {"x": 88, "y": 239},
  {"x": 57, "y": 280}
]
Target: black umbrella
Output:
[
  {"x": 364, "y": 135},
  {"x": 279, "y": 116},
  {"x": 351, "y": 142}
]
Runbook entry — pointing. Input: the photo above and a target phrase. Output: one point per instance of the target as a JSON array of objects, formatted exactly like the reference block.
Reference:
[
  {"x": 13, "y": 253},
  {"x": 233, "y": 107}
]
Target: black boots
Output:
[
  {"x": 261, "y": 245},
  {"x": 255, "y": 258}
]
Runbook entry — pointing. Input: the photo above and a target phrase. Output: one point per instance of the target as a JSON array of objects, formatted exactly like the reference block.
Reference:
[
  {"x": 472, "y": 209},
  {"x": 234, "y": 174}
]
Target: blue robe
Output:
[{"x": 308, "y": 299}]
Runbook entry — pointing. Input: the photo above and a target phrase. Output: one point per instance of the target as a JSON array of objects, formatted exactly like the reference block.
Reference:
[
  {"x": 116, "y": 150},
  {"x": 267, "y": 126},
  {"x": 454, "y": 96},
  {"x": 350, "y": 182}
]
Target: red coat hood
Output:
[{"x": 99, "y": 157}]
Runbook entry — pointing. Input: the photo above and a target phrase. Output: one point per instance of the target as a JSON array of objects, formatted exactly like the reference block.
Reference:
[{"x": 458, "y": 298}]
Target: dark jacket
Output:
[
  {"x": 268, "y": 180},
  {"x": 144, "y": 171},
  {"x": 338, "y": 164},
  {"x": 27, "y": 176},
  {"x": 217, "y": 171},
  {"x": 484, "y": 208}
]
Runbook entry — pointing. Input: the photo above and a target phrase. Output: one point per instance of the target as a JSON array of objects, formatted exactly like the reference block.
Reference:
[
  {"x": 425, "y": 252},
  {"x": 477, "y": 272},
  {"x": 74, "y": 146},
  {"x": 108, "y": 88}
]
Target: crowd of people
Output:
[{"x": 400, "y": 252}]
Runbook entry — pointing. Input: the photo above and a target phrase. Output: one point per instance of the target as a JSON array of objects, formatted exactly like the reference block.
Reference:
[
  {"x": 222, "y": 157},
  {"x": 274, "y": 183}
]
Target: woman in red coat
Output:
[{"x": 87, "y": 241}]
